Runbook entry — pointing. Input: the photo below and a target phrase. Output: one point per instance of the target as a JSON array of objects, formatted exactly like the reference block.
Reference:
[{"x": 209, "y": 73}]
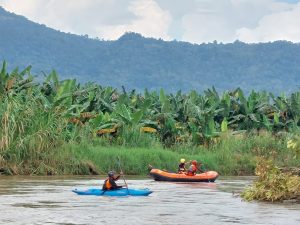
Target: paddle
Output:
[{"x": 119, "y": 162}]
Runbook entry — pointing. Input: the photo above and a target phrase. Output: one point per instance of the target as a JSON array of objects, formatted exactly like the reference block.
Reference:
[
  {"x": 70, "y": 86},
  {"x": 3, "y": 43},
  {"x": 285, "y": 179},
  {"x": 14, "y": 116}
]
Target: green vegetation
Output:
[
  {"x": 275, "y": 184},
  {"x": 272, "y": 184},
  {"x": 231, "y": 156},
  {"x": 62, "y": 127}
]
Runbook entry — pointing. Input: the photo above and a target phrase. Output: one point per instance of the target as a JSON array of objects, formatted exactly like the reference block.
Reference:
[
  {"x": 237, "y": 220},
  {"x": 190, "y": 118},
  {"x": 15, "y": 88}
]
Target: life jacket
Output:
[
  {"x": 107, "y": 184},
  {"x": 181, "y": 168},
  {"x": 192, "y": 170}
]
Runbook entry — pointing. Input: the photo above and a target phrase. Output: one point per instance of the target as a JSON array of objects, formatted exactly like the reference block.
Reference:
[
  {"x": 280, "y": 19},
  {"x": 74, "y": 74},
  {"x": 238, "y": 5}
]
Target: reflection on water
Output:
[{"x": 49, "y": 200}]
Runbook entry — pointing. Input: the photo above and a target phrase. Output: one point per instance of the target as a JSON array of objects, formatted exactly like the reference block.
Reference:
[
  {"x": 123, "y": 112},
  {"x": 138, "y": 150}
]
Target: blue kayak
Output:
[{"x": 118, "y": 192}]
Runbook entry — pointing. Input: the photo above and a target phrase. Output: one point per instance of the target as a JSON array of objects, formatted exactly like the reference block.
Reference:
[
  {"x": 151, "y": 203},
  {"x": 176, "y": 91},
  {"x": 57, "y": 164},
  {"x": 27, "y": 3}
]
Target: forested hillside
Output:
[{"x": 136, "y": 62}]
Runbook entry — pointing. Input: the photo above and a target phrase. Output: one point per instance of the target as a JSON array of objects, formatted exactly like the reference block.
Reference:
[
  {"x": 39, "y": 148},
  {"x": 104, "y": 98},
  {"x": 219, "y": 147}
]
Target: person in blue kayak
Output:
[
  {"x": 110, "y": 182},
  {"x": 181, "y": 166},
  {"x": 194, "y": 167}
]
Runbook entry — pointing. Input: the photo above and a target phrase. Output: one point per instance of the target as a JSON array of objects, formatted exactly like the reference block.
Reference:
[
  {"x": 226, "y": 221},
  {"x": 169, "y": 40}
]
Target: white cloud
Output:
[
  {"x": 107, "y": 19},
  {"x": 84, "y": 16},
  {"x": 191, "y": 20},
  {"x": 283, "y": 25},
  {"x": 226, "y": 20},
  {"x": 151, "y": 21}
]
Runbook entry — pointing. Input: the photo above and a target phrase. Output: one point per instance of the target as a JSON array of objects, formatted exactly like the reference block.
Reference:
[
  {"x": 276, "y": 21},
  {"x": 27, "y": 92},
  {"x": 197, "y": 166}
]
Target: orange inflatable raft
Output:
[{"x": 160, "y": 175}]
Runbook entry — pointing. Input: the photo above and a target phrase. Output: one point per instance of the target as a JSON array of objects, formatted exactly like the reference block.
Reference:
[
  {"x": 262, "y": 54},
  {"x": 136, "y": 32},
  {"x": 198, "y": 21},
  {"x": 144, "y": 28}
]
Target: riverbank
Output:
[{"x": 231, "y": 155}]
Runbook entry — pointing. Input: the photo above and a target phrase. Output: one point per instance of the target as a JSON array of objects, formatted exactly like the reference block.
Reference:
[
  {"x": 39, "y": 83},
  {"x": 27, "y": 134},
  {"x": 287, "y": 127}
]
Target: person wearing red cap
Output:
[{"x": 194, "y": 167}]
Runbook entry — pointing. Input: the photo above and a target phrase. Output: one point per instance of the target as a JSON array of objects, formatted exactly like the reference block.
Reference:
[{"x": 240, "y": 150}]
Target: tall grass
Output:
[
  {"x": 134, "y": 161},
  {"x": 232, "y": 155},
  {"x": 30, "y": 135},
  {"x": 47, "y": 145},
  {"x": 35, "y": 140},
  {"x": 133, "y": 137}
]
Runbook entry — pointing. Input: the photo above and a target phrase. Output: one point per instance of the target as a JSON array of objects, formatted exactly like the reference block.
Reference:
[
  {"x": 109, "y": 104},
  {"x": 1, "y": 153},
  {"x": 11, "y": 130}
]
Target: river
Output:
[{"x": 49, "y": 200}]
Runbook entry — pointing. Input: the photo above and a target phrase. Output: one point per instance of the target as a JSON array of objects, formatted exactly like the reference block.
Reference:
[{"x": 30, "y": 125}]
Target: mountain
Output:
[{"x": 138, "y": 62}]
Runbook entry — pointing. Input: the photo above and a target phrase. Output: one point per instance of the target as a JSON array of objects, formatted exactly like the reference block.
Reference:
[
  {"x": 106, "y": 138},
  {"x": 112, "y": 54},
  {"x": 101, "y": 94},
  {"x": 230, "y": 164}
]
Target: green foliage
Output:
[
  {"x": 294, "y": 144},
  {"x": 38, "y": 118},
  {"x": 134, "y": 161},
  {"x": 272, "y": 184},
  {"x": 132, "y": 137}
]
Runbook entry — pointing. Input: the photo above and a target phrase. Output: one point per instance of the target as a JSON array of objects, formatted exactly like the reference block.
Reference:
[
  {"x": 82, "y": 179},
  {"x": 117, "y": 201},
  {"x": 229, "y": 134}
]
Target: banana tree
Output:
[
  {"x": 165, "y": 116},
  {"x": 295, "y": 108},
  {"x": 282, "y": 116},
  {"x": 15, "y": 81},
  {"x": 202, "y": 111},
  {"x": 249, "y": 113}
]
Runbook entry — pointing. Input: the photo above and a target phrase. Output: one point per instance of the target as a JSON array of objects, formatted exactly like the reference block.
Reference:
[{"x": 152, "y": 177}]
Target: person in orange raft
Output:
[
  {"x": 181, "y": 166},
  {"x": 194, "y": 167},
  {"x": 109, "y": 183}
]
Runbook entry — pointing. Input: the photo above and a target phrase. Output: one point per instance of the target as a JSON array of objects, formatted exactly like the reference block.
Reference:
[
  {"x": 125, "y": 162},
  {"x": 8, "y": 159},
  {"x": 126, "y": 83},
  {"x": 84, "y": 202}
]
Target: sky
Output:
[{"x": 195, "y": 21}]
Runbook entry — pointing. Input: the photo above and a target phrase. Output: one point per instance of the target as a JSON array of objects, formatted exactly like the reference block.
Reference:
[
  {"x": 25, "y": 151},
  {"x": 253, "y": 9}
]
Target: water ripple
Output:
[{"x": 44, "y": 200}]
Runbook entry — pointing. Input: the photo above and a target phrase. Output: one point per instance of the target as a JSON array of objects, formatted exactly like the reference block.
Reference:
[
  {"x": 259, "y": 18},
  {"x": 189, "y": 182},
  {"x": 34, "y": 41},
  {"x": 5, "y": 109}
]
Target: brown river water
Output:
[{"x": 49, "y": 200}]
